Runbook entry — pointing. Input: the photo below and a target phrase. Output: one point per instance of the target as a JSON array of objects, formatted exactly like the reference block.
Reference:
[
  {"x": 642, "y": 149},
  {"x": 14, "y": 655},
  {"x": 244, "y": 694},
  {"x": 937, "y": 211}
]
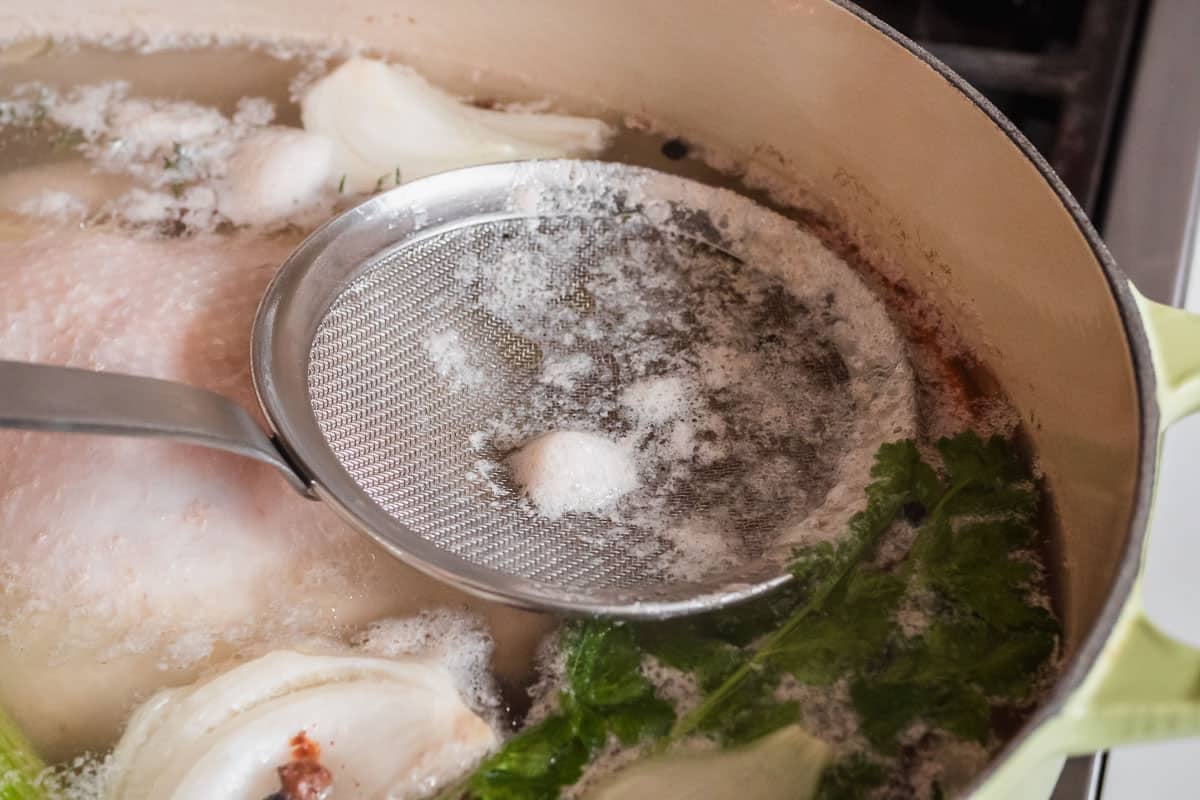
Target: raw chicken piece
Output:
[
  {"x": 66, "y": 190},
  {"x": 130, "y": 565}
]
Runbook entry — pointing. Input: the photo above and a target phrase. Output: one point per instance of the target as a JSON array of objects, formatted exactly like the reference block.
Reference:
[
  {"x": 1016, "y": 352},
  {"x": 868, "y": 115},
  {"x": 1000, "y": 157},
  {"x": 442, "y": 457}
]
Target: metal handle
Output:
[{"x": 40, "y": 397}]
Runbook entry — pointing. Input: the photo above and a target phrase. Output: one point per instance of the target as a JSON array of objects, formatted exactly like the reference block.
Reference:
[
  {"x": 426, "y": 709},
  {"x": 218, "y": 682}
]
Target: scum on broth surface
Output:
[{"x": 954, "y": 390}]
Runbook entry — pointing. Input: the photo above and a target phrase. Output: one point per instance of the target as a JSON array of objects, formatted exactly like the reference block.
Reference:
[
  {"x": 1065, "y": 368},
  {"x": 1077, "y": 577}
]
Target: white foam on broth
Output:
[{"x": 662, "y": 407}]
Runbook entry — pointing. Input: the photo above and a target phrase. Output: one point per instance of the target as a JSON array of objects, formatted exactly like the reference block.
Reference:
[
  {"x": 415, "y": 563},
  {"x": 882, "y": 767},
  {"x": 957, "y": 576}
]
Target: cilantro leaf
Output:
[
  {"x": 650, "y": 717},
  {"x": 1001, "y": 663},
  {"x": 753, "y": 721},
  {"x": 900, "y": 471},
  {"x": 973, "y": 569},
  {"x": 689, "y": 648},
  {"x": 986, "y": 477},
  {"x": 533, "y": 765},
  {"x": 898, "y": 476},
  {"x": 966, "y": 457},
  {"x": 985, "y": 644},
  {"x": 603, "y": 665},
  {"x": 587, "y": 727},
  {"x": 910, "y": 691},
  {"x": 605, "y": 694},
  {"x": 749, "y": 710},
  {"x": 850, "y": 778},
  {"x": 988, "y": 640},
  {"x": 840, "y": 640}
]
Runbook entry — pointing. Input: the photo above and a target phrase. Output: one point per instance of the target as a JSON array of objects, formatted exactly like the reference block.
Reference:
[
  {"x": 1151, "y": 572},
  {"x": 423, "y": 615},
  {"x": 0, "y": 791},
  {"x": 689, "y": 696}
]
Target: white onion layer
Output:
[
  {"x": 386, "y": 728},
  {"x": 383, "y": 119}
]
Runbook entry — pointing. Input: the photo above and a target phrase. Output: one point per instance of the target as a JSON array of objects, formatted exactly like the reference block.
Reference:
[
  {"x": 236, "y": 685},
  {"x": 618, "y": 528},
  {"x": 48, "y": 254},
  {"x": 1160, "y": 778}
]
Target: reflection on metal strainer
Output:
[
  {"x": 658, "y": 307},
  {"x": 749, "y": 371}
]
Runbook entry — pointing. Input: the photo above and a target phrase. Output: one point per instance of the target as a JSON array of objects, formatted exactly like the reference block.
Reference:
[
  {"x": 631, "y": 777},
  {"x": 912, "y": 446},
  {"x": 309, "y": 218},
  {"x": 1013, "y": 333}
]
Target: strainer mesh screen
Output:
[{"x": 759, "y": 398}]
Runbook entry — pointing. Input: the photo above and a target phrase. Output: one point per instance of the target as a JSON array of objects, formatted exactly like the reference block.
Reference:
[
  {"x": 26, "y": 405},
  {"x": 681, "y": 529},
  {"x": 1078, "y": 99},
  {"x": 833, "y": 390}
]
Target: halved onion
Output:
[
  {"x": 387, "y": 122},
  {"x": 784, "y": 765},
  {"x": 385, "y": 728}
]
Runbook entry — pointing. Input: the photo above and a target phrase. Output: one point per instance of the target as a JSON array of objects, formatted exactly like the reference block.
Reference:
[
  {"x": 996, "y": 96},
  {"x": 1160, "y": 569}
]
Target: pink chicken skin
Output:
[{"x": 133, "y": 564}]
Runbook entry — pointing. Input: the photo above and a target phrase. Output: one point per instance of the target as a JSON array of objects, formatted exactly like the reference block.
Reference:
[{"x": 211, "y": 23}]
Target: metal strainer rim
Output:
[{"x": 296, "y": 302}]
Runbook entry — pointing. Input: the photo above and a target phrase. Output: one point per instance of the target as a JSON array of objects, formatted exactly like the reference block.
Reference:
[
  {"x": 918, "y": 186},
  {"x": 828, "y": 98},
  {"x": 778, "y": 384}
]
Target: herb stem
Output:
[
  {"x": 947, "y": 497},
  {"x": 689, "y": 722},
  {"x": 908, "y": 565}
]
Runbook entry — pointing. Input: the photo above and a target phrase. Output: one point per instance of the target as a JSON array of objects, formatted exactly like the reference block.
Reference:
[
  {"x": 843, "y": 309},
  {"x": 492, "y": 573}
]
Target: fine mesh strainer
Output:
[{"x": 411, "y": 344}]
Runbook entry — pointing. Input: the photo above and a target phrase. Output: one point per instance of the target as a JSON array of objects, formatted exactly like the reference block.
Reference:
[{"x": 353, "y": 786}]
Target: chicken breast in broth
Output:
[{"x": 132, "y": 564}]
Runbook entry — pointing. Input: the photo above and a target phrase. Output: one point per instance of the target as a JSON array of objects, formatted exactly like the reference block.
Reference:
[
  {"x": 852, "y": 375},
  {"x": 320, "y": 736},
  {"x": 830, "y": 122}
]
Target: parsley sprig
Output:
[
  {"x": 605, "y": 693},
  {"x": 985, "y": 644},
  {"x": 898, "y": 477}
]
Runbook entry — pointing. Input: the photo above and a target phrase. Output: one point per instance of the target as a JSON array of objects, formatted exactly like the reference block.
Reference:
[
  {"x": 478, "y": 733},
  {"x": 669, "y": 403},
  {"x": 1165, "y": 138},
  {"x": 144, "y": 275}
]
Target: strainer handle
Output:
[{"x": 40, "y": 397}]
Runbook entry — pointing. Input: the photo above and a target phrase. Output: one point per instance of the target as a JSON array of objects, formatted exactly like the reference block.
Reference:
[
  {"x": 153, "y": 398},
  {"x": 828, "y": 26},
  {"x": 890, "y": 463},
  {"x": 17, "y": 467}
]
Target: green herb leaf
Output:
[
  {"x": 605, "y": 694},
  {"x": 851, "y": 778},
  {"x": 1002, "y": 662},
  {"x": 989, "y": 477},
  {"x": 967, "y": 458},
  {"x": 842, "y": 639},
  {"x": 604, "y": 665},
  {"x": 533, "y": 765},
  {"x": 587, "y": 727},
  {"x": 688, "y": 647},
  {"x": 751, "y": 713},
  {"x": 898, "y": 477},
  {"x": 648, "y": 718},
  {"x": 973, "y": 569},
  {"x": 988, "y": 640},
  {"x": 888, "y": 704}
]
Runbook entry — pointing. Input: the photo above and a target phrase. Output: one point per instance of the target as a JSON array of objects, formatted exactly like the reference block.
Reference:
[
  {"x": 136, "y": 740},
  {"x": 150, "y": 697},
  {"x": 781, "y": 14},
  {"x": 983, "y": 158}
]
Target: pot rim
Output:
[{"x": 1149, "y": 416}]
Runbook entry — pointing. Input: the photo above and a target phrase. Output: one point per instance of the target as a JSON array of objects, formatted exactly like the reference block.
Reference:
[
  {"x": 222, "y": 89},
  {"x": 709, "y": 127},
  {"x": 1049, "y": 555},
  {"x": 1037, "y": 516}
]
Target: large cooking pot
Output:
[{"x": 930, "y": 181}]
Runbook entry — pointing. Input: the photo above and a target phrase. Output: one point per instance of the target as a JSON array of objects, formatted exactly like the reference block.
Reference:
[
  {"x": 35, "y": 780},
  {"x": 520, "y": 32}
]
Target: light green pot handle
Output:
[
  {"x": 1144, "y": 685},
  {"x": 1174, "y": 336}
]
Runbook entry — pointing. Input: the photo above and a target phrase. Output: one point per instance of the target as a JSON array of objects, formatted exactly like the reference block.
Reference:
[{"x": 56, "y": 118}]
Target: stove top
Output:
[{"x": 1057, "y": 68}]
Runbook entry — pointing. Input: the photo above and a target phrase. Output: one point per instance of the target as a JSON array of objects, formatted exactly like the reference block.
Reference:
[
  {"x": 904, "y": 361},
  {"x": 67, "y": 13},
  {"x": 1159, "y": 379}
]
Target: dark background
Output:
[{"x": 1059, "y": 69}]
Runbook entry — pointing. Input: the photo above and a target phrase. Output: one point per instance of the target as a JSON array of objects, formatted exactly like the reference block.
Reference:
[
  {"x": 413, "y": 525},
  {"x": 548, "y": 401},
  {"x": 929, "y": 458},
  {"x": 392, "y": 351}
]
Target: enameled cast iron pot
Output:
[{"x": 926, "y": 176}]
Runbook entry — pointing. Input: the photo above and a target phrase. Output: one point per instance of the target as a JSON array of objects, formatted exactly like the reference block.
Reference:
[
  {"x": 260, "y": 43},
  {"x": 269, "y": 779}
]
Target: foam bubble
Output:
[
  {"x": 452, "y": 361},
  {"x": 458, "y": 640},
  {"x": 573, "y": 472},
  {"x": 753, "y": 392}
]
